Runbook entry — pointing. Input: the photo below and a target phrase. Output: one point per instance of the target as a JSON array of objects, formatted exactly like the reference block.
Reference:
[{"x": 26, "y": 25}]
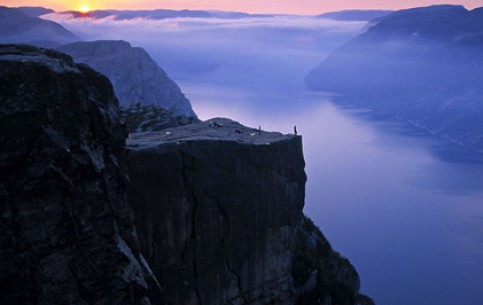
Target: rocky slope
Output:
[
  {"x": 141, "y": 118},
  {"x": 135, "y": 76},
  {"x": 67, "y": 231},
  {"x": 16, "y": 26},
  {"x": 422, "y": 65},
  {"x": 219, "y": 212}
]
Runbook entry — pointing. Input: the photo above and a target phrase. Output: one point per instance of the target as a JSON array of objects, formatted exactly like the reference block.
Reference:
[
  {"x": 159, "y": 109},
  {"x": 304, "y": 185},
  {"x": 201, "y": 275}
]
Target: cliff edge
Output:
[{"x": 219, "y": 210}]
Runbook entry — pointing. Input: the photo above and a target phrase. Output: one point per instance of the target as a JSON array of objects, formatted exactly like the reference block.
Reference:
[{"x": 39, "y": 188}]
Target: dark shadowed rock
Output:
[
  {"x": 18, "y": 27},
  {"x": 67, "y": 229},
  {"x": 321, "y": 275},
  {"x": 218, "y": 205},
  {"x": 135, "y": 76},
  {"x": 219, "y": 212}
]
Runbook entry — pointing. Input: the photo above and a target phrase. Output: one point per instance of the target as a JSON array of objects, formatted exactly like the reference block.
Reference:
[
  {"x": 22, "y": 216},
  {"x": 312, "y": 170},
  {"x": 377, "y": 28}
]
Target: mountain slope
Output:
[
  {"x": 355, "y": 15},
  {"x": 422, "y": 65},
  {"x": 17, "y": 27},
  {"x": 135, "y": 76},
  {"x": 35, "y": 11}
]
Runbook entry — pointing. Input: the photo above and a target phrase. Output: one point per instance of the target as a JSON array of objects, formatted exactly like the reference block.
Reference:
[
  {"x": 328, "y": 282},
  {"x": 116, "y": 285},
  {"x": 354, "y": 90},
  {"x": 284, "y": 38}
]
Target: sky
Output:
[{"x": 304, "y": 7}]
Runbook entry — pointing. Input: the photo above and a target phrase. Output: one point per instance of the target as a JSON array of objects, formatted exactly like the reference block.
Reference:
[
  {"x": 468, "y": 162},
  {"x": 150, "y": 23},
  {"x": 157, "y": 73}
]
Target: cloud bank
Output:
[{"x": 243, "y": 51}]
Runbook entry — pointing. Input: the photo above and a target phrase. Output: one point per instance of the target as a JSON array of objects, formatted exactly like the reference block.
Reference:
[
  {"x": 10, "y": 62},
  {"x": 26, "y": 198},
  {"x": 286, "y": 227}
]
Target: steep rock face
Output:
[
  {"x": 16, "y": 26},
  {"x": 422, "y": 65},
  {"x": 135, "y": 76},
  {"x": 67, "y": 232},
  {"x": 217, "y": 209},
  {"x": 219, "y": 212}
]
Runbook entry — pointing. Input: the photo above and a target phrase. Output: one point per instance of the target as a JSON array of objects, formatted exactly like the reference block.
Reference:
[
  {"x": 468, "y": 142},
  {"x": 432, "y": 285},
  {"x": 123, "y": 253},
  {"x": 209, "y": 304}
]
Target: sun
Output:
[{"x": 84, "y": 9}]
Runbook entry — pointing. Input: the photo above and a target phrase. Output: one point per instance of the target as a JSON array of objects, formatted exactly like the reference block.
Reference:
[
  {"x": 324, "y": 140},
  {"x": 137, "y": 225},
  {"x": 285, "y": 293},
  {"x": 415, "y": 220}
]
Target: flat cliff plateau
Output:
[{"x": 218, "y": 210}]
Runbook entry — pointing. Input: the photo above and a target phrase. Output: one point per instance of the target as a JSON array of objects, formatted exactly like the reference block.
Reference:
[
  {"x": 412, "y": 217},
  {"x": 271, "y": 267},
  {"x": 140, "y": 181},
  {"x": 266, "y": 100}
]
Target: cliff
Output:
[
  {"x": 207, "y": 213},
  {"x": 421, "y": 65},
  {"x": 67, "y": 231},
  {"x": 135, "y": 76},
  {"x": 219, "y": 214}
]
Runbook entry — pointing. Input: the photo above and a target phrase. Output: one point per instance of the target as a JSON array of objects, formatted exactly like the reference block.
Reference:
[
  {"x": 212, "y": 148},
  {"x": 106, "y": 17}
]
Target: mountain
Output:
[
  {"x": 355, "y": 15},
  {"x": 422, "y": 65},
  {"x": 136, "y": 77},
  {"x": 162, "y": 14},
  {"x": 207, "y": 213},
  {"x": 35, "y": 11},
  {"x": 18, "y": 27}
]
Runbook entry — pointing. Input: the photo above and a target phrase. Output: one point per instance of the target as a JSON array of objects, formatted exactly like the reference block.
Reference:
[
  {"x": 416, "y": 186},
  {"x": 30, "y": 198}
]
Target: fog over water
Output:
[{"x": 405, "y": 207}]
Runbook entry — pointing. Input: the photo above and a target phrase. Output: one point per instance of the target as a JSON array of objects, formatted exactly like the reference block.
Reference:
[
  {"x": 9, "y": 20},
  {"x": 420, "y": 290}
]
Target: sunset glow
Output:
[
  {"x": 84, "y": 9},
  {"x": 304, "y": 7}
]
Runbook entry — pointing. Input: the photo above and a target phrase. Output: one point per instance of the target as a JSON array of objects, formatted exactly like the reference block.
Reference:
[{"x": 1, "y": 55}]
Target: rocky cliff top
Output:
[
  {"x": 55, "y": 61},
  {"x": 216, "y": 129}
]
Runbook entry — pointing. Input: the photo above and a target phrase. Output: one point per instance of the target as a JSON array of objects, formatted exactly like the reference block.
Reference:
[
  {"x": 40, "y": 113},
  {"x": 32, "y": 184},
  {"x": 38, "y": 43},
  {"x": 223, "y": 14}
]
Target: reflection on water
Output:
[{"x": 404, "y": 206}]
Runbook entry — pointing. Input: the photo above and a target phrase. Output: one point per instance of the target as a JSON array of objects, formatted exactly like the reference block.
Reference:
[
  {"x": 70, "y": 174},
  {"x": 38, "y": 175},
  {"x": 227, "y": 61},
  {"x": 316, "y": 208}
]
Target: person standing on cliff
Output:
[{"x": 295, "y": 129}]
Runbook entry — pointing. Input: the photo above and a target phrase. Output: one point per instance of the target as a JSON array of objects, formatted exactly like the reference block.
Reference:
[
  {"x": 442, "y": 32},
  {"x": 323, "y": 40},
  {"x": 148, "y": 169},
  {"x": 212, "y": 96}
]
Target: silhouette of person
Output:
[{"x": 295, "y": 129}]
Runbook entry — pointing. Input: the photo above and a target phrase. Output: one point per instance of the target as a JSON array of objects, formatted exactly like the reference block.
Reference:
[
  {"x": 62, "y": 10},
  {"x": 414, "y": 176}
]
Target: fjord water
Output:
[{"x": 405, "y": 207}]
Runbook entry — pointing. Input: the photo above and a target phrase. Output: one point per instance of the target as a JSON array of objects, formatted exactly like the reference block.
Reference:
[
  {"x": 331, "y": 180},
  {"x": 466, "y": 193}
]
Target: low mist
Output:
[{"x": 271, "y": 53}]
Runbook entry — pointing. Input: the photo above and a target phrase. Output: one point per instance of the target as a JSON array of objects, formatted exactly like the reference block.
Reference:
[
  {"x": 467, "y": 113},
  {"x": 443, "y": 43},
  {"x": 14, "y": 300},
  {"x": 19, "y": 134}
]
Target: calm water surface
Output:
[{"x": 404, "y": 206}]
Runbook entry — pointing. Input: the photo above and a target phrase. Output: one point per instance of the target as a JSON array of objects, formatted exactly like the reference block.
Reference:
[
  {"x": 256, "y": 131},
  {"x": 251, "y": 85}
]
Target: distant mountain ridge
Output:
[
  {"x": 422, "y": 65},
  {"x": 157, "y": 14},
  {"x": 22, "y": 26},
  {"x": 35, "y": 11},
  {"x": 135, "y": 76},
  {"x": 355, "y": 15}
]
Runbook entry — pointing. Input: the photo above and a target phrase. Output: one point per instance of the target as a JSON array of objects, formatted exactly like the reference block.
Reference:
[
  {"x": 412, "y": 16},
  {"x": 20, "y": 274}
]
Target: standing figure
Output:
[{"x": 295, "y": 129}]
